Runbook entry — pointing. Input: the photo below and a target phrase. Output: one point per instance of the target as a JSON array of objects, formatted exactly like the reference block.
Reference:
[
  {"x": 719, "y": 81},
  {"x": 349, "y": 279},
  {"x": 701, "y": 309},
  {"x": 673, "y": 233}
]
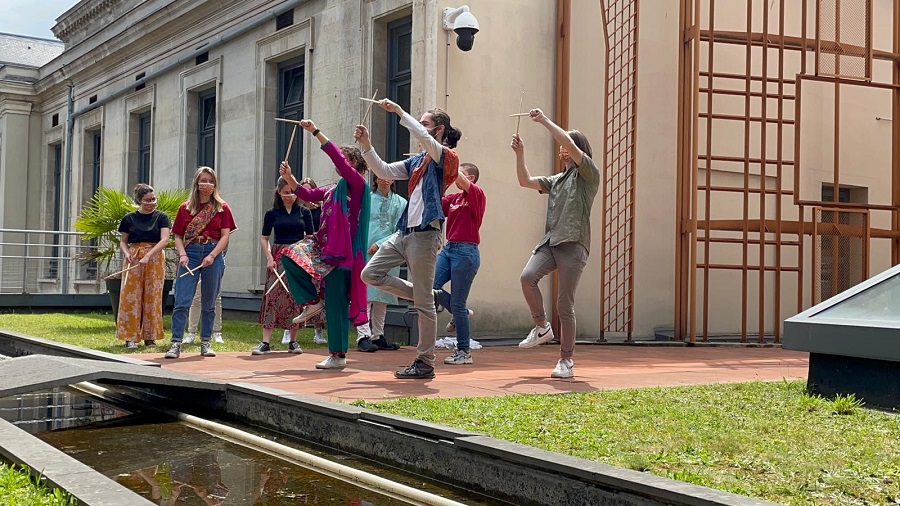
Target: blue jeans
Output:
[
  {"x": 185, "y": 287},
  {"x": 458, "y": 262}
]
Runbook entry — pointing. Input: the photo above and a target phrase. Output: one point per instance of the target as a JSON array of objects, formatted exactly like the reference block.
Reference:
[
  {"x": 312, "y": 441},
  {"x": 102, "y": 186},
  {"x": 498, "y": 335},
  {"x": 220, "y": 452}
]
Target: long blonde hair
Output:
[{"x": 194, "y": 205}]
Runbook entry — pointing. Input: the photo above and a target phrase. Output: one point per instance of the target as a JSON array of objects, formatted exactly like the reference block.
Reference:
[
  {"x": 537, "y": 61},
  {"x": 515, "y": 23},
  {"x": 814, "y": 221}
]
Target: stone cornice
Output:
[
  {"x": 80, "y": 17},
  {"x": 8, "y": 106}
]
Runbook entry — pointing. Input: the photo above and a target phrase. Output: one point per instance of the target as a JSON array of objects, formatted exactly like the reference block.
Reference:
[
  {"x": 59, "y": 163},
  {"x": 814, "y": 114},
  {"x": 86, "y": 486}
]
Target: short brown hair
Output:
[{"x": 470, "y": 168}]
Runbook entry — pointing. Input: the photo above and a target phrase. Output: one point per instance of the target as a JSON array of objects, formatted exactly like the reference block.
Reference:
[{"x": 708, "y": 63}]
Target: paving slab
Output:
[{"x": 497, "y": 370}]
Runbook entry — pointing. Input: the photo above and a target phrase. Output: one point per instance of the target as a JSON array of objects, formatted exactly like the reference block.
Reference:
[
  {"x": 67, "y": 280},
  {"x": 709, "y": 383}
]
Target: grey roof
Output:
[{"x": 28, "y": 51}]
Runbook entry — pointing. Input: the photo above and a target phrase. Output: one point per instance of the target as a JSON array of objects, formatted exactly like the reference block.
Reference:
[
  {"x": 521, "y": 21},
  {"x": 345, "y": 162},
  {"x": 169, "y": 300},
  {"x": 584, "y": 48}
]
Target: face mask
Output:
[{"x": 206, "y": 191}]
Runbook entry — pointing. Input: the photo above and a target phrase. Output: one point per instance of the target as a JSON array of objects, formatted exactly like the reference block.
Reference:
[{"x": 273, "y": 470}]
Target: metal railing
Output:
[{"x": 45, "y": 261}]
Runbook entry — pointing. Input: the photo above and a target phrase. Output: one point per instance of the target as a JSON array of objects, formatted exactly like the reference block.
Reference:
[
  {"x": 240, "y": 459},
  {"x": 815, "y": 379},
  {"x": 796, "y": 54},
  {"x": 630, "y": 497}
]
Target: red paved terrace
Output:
[{"x": 501, "y": 370}]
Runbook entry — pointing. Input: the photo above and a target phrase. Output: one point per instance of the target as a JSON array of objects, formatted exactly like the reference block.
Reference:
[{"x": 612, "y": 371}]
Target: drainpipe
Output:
[
  {"x": 563, "y": 24},
  {"x": 67, "y": 181},
  {"x": 202, "y": 48}
]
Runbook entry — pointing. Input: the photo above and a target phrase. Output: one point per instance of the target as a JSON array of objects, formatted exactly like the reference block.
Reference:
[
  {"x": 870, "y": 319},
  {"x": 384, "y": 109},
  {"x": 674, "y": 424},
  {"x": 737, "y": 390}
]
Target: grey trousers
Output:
[
  {"x": 375, "y": 327},
  {"x": 419, "y": 251},
  {"x": 569, "y": 258}
]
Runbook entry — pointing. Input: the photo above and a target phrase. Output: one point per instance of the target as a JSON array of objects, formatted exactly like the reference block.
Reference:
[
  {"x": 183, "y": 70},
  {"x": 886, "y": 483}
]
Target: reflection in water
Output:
[
  {"x": 170, "y": 463},
  {"x": 54, "y": 409}
]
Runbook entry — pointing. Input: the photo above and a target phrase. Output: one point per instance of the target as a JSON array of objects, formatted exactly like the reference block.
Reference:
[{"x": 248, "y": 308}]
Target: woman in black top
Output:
[
  {"x": 144, "y": 234},
  {"x": 291, "y": 222}
]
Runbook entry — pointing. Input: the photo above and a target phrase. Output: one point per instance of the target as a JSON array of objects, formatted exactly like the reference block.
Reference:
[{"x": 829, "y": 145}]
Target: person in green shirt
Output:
[{"x": 566, "y": 242}]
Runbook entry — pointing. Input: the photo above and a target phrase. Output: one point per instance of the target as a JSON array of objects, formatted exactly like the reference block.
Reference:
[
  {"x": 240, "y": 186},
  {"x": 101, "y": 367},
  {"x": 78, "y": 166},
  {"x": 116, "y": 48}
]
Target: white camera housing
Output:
[{"x": 461, "y": 21}]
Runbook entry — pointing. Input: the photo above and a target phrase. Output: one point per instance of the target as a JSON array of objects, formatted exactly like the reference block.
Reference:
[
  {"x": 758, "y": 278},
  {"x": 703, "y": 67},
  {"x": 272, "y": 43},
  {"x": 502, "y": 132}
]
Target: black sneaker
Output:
[
  {"x": 294, "y": 347},
  {"x": 261, "y": 349},
  {"x": 130, "y": 345},
  {"x": 438, "y": 308},
  {"x": 383, "y": 344},
  {"x": 365, "y": 344},
  {"x": 417, "y": 370}
]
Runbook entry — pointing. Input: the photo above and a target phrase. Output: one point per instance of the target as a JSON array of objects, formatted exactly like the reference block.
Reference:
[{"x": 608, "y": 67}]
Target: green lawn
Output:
[
  {"x": 766, "y": 440},
  {"x": 98, "y": 331},
  {"x": 17, "y": 489}
]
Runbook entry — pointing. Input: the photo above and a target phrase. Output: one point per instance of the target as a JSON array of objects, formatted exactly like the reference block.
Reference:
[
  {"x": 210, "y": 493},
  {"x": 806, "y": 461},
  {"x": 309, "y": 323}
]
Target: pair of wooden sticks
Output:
[
  {"x": 296, "y": 123},
  {"x": 135, "y": 266},
  {"x": 280, "y": 279}
]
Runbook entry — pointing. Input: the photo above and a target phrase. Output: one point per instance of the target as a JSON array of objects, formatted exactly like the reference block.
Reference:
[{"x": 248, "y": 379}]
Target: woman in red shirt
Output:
[{"x": 201, "y": 230}]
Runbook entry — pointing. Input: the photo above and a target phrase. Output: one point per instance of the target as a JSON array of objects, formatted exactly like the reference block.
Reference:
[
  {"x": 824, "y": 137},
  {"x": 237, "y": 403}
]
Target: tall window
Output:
[
  {"x": 399, "y": 77},
  {"x": 291, "y": 77},
  {"x": 55, "y": 207},
  {"x": 89, "y": 184},
  {"x": 91, "y": 175},
  {"x": 143, "y": 159},
  {"x": 206, "y": 129}
]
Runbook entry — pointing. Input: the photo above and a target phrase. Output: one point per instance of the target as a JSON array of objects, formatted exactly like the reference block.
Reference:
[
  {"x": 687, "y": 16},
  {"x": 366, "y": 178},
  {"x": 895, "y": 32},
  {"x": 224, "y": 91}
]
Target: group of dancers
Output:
[{"x": 348, "y": 268}]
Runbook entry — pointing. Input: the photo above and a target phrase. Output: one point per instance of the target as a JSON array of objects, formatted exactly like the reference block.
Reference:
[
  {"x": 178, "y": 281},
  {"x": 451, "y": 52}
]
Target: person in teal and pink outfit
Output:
[{"x": 324, "y": 270}]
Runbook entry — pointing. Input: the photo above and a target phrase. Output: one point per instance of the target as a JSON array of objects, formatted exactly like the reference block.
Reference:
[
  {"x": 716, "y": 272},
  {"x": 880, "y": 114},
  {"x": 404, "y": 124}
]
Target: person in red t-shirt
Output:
[
  {"x": 202, "y": 227},
  {"x": 459, "y": 260}
]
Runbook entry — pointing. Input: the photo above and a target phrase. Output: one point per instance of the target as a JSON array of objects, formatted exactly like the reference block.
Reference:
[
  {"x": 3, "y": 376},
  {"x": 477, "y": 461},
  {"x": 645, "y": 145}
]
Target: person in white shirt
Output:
[{"x": 418, "y": 238}]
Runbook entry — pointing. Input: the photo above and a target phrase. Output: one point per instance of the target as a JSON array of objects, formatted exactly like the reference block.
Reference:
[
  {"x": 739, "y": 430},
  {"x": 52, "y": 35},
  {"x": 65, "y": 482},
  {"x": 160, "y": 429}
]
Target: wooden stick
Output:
[
  {"x": 291, "y": 143},
  {"x": 370, "y": 100},
  {"x": 366, "y": 116},
  {"x": 519, "y": 114},
  {"x": 288, "y": 120},
  {"x": 519, "y": 118},
  {"x": 123, "y": 270},
  {"x": 189, "y": 271},
  {"x": 280, "y": 280}
]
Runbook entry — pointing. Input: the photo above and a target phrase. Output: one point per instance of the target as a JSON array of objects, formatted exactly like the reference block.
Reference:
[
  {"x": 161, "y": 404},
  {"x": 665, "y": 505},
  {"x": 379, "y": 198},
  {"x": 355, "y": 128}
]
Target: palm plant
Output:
[{"x": 99, "y": 222}]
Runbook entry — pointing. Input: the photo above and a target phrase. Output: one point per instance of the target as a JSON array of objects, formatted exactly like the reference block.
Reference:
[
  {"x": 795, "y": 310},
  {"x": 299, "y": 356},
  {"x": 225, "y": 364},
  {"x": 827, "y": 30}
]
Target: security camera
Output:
[{"x": 461, "y": 21}]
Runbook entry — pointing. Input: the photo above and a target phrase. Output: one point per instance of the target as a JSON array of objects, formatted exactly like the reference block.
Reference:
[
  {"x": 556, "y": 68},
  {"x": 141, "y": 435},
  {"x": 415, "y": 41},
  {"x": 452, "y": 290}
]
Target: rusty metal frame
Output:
[
  {"x": 620, "y": 29},
  {"x": 832, "y": 229},
  {"x": 699, "y": 234},
  {"x": 837, "y": 48}
]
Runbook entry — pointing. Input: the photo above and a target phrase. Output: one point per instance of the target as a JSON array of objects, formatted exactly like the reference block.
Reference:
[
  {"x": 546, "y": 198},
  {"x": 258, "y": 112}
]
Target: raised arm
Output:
[
  {"x": 396, "y": 170},
  {"x": 354, "y": 179},
  {"x": 431, "y": 145},
  {"x": 559, "y": 135},
  {"x": 462, "y": 181},
  {"x": 284, "y": 170},
  {"x": 525, "y": 179}
]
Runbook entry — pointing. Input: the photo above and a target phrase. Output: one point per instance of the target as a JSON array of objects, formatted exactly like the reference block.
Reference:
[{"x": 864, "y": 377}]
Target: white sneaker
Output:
[
  {"x": 190, "y": 338},
  {"x": 319, "y": 338},
  {"x": 564, "y": 369},
  {"x": 217, "y": 337},
  {"x": 459, "y": 358},
  {"x": 310, "y": 311},
  {"x": 332, "y": 362},
  {"x": 287, "y": 337},
  {"x": 537, "y": 336}
]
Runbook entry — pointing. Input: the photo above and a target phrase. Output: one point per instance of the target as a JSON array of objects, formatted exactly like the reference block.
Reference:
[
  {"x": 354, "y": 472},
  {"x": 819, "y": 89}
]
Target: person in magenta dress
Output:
[{"x": 324, "y": 270}]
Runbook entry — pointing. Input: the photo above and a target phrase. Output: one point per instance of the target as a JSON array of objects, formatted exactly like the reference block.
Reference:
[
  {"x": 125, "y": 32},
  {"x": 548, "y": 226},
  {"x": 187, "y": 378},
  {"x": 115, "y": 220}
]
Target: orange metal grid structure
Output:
[
  {"x": 620, "y": 29},
  {"x": 771, "y": 230}
]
